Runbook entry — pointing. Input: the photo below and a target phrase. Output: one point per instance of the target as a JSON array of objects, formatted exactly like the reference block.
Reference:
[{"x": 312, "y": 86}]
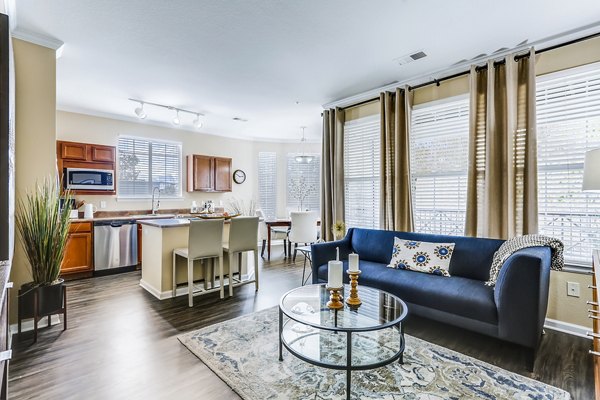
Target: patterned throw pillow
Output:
[{"x": 431, "y": 258}]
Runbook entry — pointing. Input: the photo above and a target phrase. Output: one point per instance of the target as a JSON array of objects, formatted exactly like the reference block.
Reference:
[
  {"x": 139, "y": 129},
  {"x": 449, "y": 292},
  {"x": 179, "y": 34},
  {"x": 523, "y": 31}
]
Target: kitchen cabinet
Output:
[
  {"x": 208, "y": 174},
  {"x": 85, "y": 155},
  {"x": 78, "y": 251}
]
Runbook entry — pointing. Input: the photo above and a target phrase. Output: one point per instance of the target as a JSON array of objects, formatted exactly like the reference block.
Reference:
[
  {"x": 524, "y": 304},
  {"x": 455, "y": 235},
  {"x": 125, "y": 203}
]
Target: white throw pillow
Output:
[{"x": 431, "y": 258}]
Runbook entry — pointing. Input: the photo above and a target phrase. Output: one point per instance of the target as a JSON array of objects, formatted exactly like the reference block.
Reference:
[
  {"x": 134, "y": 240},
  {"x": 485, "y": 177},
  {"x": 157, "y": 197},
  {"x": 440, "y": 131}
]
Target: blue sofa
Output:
[{"x": 514, "y": 310}]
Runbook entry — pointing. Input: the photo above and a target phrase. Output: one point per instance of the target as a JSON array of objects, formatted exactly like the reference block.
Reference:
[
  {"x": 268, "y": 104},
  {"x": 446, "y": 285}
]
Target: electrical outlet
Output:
[
  {"x": 573, "y": 289},
  {"x": 103, "y": 204}
]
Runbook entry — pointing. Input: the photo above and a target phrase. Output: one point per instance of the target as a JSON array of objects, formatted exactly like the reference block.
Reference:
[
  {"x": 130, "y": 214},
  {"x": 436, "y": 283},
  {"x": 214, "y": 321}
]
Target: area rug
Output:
[{"x": 243, "y": 352}]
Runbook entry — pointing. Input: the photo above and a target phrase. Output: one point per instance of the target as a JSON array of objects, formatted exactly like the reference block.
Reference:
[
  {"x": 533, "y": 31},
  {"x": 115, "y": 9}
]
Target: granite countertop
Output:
[{"x": 124, "y": 217}]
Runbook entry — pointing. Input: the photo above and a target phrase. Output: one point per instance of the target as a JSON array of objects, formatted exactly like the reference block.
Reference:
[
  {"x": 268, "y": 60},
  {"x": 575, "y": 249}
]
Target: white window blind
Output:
[
  {"x": 568, "y": 124},
  {"x": 438, "y": 162},
  {"x": 303, "y": 183},
  {"x": 145, "y": 164},
  {"x": 267, "y": 183},
  {"x": 362, "y": 155}
]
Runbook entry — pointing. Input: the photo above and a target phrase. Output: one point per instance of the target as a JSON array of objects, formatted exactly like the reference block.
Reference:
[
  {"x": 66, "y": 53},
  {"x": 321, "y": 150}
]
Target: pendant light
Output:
[{"x": 303, "y": 158}]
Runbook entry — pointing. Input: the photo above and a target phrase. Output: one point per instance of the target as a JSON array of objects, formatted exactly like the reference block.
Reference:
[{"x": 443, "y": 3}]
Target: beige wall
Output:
[
  {"x": 86, "y": 128},
  {"x": 35, "y": 84},
  {"x": 89, "y": 129}
]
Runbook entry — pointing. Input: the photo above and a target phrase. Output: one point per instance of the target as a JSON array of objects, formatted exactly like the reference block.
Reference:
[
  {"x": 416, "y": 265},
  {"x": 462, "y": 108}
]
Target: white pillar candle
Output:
[
  {"x": 353, "y": 262},
  {"x": 334, "y": 274}
]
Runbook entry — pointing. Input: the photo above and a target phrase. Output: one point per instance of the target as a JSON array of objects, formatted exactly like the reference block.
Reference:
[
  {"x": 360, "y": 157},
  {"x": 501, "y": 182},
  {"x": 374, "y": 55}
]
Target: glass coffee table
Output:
[{"x": 351, "y": 338}]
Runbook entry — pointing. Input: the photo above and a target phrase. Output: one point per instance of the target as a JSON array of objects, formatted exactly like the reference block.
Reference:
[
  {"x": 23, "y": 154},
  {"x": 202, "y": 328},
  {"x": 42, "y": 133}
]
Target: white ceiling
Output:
[{"x": 255, "y": 59}]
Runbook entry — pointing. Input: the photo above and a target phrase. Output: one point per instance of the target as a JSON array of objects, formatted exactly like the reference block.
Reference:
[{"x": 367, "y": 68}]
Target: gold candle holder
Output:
[
  {"x": 335, "y": 298},
  {"x": 353, "y": 300}
]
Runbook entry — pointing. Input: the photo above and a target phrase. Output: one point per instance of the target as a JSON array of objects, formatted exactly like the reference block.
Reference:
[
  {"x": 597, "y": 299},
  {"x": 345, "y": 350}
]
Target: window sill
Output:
[{"x": 578, "y": 269}]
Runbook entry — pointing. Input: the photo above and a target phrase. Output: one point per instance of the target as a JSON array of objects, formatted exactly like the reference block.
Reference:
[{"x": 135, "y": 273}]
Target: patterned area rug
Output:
[{"x": 244, "y": 353}]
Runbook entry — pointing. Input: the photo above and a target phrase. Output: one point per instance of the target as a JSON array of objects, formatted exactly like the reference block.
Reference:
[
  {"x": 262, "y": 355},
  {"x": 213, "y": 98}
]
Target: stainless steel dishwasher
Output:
[{"x": 115, "y": 244}]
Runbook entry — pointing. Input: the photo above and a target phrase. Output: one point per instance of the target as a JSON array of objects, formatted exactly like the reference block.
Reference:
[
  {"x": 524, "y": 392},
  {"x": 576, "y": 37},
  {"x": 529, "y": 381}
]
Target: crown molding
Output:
[
  {"x": 39, "y": 39},
  {"x": 440, "y": 73}
]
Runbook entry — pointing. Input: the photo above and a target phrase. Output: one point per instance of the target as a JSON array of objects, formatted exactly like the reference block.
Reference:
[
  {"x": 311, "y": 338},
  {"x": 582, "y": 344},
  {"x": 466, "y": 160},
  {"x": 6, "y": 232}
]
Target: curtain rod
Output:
[{"x": 479, "y": 68}]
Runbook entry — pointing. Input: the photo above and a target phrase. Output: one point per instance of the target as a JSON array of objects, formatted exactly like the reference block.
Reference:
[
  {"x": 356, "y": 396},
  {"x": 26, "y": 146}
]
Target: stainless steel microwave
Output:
[{"x": 89, "y": 179}]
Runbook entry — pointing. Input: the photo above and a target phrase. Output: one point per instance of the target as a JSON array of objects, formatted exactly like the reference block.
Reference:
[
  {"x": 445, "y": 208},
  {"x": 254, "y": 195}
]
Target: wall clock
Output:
[{"x": 239, "y": 176}]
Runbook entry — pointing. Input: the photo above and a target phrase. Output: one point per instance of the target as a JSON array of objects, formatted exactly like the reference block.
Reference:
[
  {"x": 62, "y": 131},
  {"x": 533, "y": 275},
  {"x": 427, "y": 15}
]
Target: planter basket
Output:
[{"x": 42, "y": 301}]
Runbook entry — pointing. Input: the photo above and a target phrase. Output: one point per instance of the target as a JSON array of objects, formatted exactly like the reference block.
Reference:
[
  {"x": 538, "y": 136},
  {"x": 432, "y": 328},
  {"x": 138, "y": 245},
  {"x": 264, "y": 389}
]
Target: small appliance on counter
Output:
[{"x": 88, "y": 211}]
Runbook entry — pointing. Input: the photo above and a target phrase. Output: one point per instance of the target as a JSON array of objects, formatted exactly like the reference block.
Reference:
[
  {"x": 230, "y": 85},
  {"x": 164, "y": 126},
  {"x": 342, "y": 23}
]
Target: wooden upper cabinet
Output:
[
  {"x": 222, "y": 174},
  {"x": 73, "y": 151},
  {"x": 208, "y": 174},
  {"x": 103, "y": 153}
]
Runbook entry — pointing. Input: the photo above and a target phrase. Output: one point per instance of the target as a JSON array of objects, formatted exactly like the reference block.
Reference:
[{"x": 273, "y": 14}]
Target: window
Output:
[
  {"x": 145, "y": 164},
  {"x": 438, "y": 161},
  {"x": 568, "y": 124},
  {"x": 303, "y": 183},
  {"x": 362, "y": 154},
  {"x": 267, "y": 183}
]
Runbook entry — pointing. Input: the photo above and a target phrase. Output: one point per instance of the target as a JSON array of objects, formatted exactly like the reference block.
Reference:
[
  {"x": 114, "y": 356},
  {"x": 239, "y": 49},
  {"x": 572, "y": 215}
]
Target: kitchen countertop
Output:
[
  {"x": 166, "y": 222},
  {"x": 125, "y": 217}
]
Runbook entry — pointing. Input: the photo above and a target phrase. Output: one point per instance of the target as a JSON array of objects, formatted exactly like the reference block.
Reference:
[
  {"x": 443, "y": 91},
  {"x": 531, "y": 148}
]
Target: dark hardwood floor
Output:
[{"x": 121, "y": 344}]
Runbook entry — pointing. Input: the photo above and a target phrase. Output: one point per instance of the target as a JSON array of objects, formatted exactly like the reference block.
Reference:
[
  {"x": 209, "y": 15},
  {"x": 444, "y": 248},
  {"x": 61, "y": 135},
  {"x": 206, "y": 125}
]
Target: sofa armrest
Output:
[
  {"x": 521, "y": 295},
  {"x": 321, "y": 253}
]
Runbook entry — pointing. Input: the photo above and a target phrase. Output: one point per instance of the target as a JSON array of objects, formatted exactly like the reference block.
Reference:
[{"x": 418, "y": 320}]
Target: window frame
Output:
[
  {"x": 178, "y": 196},
  {"x": 290, "y": 160},
  {"x": 570, "y": 265}
]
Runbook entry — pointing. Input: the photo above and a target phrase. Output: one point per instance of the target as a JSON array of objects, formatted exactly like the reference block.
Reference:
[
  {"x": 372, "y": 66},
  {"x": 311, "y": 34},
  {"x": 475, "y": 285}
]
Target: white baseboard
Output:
[
  {"x": 566, "y": 327},
  {"x": 27, "y": 324}
]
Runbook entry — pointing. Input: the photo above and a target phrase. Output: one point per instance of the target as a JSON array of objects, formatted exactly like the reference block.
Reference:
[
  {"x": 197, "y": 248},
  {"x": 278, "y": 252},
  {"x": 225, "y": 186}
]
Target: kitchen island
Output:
[{"x": 159, "y": 238}]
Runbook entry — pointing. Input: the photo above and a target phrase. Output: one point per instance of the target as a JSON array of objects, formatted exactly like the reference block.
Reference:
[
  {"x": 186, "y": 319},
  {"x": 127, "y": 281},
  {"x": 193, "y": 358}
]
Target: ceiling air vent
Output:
[{"x": 414, "y": 56}]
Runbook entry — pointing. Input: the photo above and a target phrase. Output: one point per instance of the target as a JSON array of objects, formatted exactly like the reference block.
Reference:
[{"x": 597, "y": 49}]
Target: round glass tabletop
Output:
[{"x": 308, "y": 305}]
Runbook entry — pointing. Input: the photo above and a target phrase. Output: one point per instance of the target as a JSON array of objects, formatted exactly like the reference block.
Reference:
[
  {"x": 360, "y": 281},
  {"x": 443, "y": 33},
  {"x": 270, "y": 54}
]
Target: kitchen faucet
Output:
[{"x": 155, "y": 208}]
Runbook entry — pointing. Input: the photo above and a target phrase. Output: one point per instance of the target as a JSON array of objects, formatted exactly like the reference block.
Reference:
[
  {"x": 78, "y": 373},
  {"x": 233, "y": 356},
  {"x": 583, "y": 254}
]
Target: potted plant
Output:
[{"x": 43, "y": 227}]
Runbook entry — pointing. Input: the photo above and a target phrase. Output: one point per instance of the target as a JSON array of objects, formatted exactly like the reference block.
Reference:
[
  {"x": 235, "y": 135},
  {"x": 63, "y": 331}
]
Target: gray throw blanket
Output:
[{"x": 521, "y": 242}]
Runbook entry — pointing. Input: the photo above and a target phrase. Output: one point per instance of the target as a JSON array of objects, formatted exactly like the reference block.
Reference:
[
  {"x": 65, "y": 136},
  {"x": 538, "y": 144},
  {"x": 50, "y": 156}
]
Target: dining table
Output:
[{"x": 272, "y": 223}]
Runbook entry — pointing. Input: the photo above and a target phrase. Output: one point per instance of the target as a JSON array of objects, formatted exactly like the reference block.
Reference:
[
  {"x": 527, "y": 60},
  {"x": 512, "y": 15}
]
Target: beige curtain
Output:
[
  {"x": 332, "y": 171},
  {"x": 396, "y": 201},
  {"x": 502, "y": 177}
]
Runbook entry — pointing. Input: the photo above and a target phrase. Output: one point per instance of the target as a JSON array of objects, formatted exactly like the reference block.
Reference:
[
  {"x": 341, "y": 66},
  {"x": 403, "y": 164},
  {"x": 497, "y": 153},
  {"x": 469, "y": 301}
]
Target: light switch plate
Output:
[
  {"x": 573, "y": 289},
  {"x": 103, "y": 204}
]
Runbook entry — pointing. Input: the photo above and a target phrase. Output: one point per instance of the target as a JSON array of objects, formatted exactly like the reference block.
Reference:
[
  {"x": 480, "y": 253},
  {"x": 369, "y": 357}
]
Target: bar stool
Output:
[
  {"x": 243, "y": 236},
  {"x": 205, "y": 241}
]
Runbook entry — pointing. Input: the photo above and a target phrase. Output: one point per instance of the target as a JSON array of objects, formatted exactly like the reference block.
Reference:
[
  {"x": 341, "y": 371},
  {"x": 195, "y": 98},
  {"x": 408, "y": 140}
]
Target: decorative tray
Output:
[{"x": 216, "y": 216}]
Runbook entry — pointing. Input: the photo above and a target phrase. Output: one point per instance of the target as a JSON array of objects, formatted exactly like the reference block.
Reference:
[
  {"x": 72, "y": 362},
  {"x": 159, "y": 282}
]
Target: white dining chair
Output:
[
  {"x": 263, "y": 234},
  {"x": 205, "y": 242},
  {"x": 303, "y": 229},
  {"x": 243, "y": 236}
]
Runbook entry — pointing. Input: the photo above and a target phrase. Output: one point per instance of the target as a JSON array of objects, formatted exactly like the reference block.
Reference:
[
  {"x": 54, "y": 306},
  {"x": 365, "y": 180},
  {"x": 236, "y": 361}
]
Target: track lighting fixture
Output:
[
  {"x": 141, "y": 113},
  {"x": 176, "y": 120},
  {"x": 197, "y": 122}
]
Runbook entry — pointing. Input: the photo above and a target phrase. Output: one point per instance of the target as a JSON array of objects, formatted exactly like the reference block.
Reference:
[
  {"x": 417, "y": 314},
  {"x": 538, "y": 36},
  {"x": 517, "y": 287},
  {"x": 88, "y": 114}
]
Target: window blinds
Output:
[
  {"x": 267, "y": 183},
  {"x": 362, "y": 154},
  {"x": 145, "y": 164},
  {"x": 568, "y": 124},
  {"x": 303, "y": 183},
  {"x": 439, "y": 140}
]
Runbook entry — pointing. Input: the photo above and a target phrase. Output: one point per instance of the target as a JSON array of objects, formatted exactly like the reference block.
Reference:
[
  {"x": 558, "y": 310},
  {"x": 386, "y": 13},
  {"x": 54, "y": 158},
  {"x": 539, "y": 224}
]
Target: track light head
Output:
[
  {"x": 197, "y": 122},
  {"x": 176, "y": 120},
  {"x": 139, "y": 111}
]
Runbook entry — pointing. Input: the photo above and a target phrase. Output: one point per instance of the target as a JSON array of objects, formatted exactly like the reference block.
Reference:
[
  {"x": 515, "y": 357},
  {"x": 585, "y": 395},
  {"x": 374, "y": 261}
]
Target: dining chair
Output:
[
  {"x": 302, "y": 230},
  {"x": 243, "y": 236},
  {"x": 263, "y": 234},
  {"x": 205, "y": 242}
]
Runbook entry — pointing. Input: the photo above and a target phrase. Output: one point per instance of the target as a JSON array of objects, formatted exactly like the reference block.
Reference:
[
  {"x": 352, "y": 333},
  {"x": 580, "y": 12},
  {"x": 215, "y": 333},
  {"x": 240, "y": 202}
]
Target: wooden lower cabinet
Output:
[{"x": 78, "y": 252}]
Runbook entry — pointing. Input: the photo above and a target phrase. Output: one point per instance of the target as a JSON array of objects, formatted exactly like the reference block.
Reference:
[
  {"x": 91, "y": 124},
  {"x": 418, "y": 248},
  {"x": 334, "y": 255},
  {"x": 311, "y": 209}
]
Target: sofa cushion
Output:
[
  {"x": 430, "y": 258},
  {"x": 472, "y": 257},
  {"x": 462, "y": 296}
]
